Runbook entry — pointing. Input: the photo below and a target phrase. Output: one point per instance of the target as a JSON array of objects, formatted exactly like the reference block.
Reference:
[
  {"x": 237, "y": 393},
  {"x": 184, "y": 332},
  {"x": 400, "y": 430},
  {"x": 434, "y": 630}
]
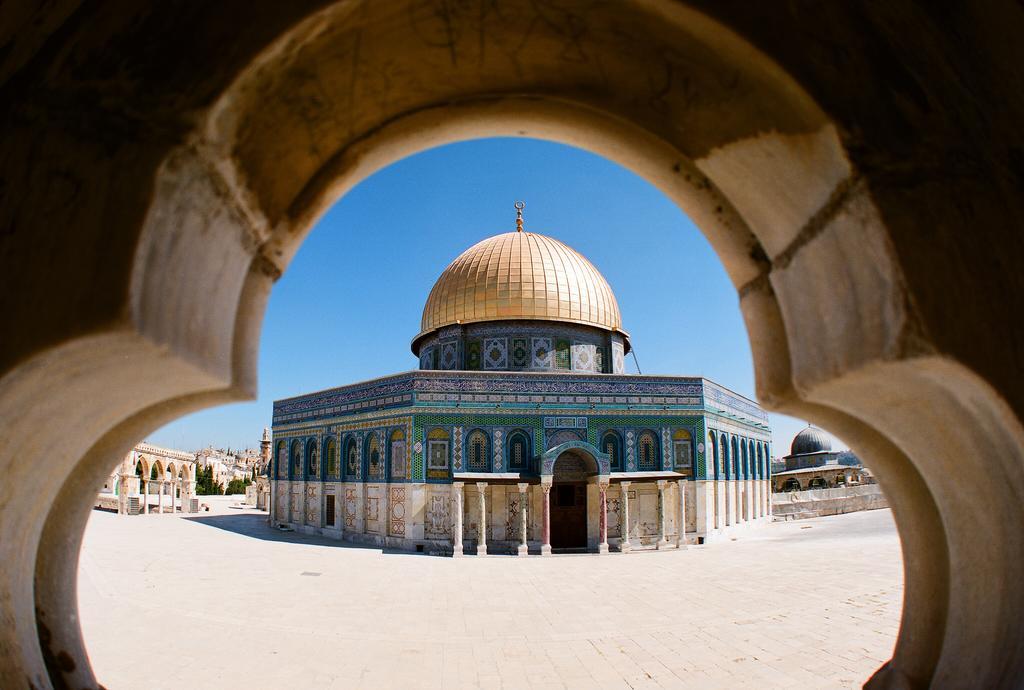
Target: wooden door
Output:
[{"x": 569, "y": 516}]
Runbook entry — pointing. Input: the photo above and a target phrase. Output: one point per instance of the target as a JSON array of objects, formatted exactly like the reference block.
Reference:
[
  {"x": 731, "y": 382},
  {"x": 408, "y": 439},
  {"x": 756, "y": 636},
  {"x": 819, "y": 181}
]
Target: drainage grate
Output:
[{"x": 307, "y": 573}]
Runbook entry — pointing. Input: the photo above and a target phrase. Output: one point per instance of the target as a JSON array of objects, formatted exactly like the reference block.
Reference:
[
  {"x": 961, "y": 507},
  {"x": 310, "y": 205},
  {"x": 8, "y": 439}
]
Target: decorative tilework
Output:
[
  {"x": 396, "y": 526},
  {"x": 457, "y": 451},
  {"x": 495, "y": 353},
  {"x": 666, "y": 448},
  {"x": 427, "y": 358},
  {"x": 350, "y": 508},
  {"x": 583, "y": 357},
  {"x": 520, "y": 353},
  {"x": 498, "y": 450},
  {"x": 630, "y": 451},
  {"x": 541, "y": 353},
  {"x": 439, "y": 516},
  {"x": 449, "y": 356},
  {"x": 473, "y": 357},
  {"x": 618, "y": 359}
]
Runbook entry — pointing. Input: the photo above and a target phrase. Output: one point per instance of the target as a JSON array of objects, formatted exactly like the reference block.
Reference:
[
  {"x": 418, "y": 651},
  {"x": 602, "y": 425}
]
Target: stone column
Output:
[
  {"x": 145, "y": 497},
  {"x": 524, "y": 501},
  {"x": 163, "y": 490},
  {"x": 662, "y": 514},
  {"x": 481, "y": 544},
  {"x": 749, "y": 496},
  {"x": 719, "y": 504},
  {"x": 457, "y": 507},
  {"x": 730, "y": 499},
  {"x": 626, "y": 546},
  {"x": 681, "y": 531},
  {"x": 174, "y": 490},
  {"x": 545, "y": 532},
  {"x": 602, "y": 488}
]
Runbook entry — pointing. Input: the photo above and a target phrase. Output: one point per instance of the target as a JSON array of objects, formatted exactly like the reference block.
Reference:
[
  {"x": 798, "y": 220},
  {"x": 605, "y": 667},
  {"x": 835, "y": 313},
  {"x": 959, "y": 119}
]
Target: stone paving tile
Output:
[{"x": 794, "y": 605}]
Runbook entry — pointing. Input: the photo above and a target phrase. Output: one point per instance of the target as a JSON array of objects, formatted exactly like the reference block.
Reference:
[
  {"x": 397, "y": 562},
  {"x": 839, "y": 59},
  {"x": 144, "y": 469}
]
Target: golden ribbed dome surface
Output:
[{"x": 521, "y": 275}]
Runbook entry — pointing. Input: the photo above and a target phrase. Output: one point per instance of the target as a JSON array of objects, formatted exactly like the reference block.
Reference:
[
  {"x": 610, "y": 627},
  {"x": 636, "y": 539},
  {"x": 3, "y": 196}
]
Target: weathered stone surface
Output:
[{"x": 141, "y": 139}]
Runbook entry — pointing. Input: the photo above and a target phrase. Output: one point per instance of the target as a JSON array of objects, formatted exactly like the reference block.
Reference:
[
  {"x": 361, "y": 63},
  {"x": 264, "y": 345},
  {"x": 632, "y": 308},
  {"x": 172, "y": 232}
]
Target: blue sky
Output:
[{"x": 349, "y": 304}]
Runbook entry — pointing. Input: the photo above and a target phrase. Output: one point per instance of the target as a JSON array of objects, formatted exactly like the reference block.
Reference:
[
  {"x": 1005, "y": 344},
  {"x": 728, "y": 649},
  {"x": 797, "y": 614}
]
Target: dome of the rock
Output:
[{"x": 519, "y": 276}]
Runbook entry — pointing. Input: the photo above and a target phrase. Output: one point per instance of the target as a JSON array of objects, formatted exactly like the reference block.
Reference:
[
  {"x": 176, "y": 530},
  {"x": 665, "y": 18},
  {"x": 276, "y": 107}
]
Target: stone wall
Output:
[{"x": 818, "y": 502}]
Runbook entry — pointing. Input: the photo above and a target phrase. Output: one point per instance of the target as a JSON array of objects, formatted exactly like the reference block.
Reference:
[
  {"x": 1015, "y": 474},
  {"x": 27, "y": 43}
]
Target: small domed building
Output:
[
  {"x": 521, "y": 431},
  {"x": 812, "y": 464}
]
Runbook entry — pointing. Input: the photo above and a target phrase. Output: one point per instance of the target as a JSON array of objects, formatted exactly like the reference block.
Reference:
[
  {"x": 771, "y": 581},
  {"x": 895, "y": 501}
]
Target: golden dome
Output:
[{"x": 521, "y": 275}]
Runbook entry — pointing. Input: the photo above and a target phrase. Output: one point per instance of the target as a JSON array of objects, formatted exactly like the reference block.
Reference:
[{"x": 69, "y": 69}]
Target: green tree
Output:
[{"x": 236, "y": 486}]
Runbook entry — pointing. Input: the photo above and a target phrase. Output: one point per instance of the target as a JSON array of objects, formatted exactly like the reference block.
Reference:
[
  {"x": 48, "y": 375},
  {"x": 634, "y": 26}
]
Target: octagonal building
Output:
[{"x": 521, "y": 431}]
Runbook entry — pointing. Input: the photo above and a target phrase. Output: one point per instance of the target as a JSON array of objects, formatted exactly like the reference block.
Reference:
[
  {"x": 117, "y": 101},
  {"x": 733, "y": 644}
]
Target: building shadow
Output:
[{"x": 254, "y": 525}]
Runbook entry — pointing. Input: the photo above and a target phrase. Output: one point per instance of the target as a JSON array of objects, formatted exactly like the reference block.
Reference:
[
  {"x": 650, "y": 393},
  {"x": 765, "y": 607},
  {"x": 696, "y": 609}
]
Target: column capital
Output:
[
  {"x": 458, "y": 485},
  {"x": 546, "y": 488},
  {"x": 662, "y": 483},
  {"x": 481, "y": 485},
  {"x": 625, "y": 484},
  {"x": 523, "y": 486}
]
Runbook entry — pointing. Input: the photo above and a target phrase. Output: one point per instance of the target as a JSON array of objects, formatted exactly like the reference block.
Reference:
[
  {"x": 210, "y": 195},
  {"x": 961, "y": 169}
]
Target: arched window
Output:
[
  {"x": 296, "y": 472},
  {"x": 476, "y": 450},
  {"x": 373, "y": 464},
  {"x": 157, "y": 471},
  {"x": 648, "y": 451},
  {"x": 437, "y": 454},
  {"x": 818, "y": 483},
  {"x": 792, "y": 484},
  {"x": 726, "y": 458},
  {"x": 734, "y": 456},
  {"x": 352, "y": 460},
  {"x": 331, "y": 453},
  {"x": 398, "y": 459},
  {"x": 752, "y": 462},
  {"x": 682, "y": 452},
  {"x": 716, "y": 467},
  {"x": 313, "y": 453},
  {"x": 760, "y": 462},
  {"x": 518, "y": 451},
  {"x": 611, "y": 443},
  {"x": 282, "y": 460},
  {"x": 744, "y": 461}
]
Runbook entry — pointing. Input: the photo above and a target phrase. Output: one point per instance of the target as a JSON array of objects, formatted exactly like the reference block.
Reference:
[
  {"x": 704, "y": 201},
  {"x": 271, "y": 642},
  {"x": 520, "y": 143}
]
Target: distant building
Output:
[
  {"x": 812, "y": 464},
  {"x": 148, "y": 478}
]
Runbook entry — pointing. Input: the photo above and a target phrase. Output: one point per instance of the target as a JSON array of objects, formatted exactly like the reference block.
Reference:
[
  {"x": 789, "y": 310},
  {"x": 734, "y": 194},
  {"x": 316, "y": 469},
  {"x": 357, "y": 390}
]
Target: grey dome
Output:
[{"x": 810, "y": 440}]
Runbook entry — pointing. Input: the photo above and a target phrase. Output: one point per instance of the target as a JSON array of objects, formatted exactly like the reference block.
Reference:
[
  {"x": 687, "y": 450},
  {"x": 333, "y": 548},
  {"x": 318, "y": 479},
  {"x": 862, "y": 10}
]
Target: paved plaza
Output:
[{"x": 220, "y": 600}]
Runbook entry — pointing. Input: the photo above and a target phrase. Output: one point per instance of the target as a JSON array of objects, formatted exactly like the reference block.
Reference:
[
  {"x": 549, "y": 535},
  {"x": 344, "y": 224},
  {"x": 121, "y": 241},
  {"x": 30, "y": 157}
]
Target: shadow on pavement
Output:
[{"x": 255, "y": 525}]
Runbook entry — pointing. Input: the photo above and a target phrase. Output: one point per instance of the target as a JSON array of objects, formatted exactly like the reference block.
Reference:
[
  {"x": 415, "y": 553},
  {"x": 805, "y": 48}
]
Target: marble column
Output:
[
  {"x": 174, "y": 490},
  {"x": 602, "y": 488},
  {"x": 730, "y": 498},
  {"x": 457, "y": 507},
  {"x": 545, "y": 532},
  {"x": 624, "y": 518},
  {"x": 662, "y": 515},
  {"x": 145, "y": 497},
  {"x": 748, "y": 495},
  {"x": 481, "y": 544},
  {"x": 719, "y": 504},
  {"x": 524, "y": 500},
  {"x": 681, "y": 530},
  {"x": 160, "y": 497}
]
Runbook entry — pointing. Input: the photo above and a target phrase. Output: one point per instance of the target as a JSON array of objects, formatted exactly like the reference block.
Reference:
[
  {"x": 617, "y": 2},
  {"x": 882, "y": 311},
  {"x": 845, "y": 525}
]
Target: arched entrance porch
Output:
[{"x": 574, "y": 482}]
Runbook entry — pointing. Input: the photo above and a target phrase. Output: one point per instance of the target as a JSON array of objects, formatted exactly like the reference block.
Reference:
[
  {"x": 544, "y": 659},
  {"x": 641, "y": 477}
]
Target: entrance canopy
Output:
[{"x": 600, "y": 462}]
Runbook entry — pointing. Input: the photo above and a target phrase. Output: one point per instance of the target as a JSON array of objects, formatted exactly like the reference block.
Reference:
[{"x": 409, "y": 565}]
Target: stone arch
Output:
[
  {"x": 295, "y": 466},
  {"x": 331, "y": 458},
  {"x": 352, "y": 464},
  {"x": 774, "y": 157},
  {"x": 518, "y": 450},
  {"x": 312, "y": 465}
]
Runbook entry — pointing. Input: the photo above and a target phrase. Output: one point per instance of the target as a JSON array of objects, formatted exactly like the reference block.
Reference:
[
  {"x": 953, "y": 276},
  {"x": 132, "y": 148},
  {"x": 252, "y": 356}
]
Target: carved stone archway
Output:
[{"x": 166, "y": 165}]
